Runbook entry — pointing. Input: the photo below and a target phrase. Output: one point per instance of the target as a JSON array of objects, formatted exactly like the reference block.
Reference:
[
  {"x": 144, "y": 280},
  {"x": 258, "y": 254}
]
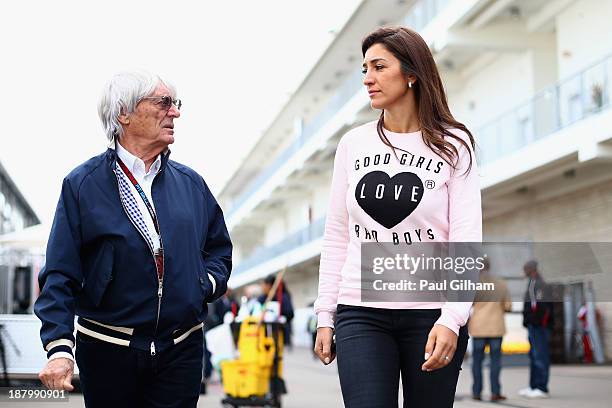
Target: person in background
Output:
[
  {"x": 215, "y": 317},
  {"x": 538, "y": 318},
  {"x": 487, "y": 327},
  {"x": 285, "y": 303},
  {"x": 226, "y": 303},
  {"x": 311, "y": 328}
]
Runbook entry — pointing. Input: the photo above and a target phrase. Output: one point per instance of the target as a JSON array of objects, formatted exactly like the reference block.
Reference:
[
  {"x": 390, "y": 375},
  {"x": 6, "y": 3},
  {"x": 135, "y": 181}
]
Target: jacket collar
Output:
[{"x": 111, "y": 157}]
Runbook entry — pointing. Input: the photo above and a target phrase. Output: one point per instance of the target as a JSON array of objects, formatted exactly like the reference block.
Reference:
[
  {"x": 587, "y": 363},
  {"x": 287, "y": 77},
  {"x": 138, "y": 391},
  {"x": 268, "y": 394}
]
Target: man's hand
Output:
[
  {"x": 57, "y": 374},
  {"x": 440, "y": 348},
  {"x": 323, "y": 345}
]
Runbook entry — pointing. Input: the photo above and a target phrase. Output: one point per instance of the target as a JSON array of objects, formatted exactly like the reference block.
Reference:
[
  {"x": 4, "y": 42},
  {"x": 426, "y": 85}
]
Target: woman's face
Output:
[{"x": 384, "y": 80}]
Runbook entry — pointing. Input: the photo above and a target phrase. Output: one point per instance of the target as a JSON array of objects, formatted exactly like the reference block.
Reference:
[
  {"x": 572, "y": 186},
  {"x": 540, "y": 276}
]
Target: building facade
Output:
[
  {"x": 17, "y": 280},
  {"x": 531, "y": 79},
  {"x": 15, "y": 212}
]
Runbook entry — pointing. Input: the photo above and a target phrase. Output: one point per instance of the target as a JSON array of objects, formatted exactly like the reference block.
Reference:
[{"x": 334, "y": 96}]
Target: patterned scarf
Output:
[{"x": 130, "y": 204}]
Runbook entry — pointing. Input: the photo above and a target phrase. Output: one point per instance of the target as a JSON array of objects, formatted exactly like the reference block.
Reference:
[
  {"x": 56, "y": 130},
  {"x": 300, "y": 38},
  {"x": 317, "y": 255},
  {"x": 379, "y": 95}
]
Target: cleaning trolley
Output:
[{"x": 255, "y": 377}]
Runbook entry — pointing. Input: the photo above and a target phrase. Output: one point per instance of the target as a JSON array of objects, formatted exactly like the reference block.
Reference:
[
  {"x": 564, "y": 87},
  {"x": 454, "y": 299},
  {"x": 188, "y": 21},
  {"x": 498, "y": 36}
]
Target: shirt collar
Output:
[{"x": 134, "y": 164}]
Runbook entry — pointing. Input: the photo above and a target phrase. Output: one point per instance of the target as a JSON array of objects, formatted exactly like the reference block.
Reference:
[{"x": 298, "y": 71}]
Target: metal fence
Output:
[
  {"x": 297, "y": 239},
  {"x": 575, "y": 98}
]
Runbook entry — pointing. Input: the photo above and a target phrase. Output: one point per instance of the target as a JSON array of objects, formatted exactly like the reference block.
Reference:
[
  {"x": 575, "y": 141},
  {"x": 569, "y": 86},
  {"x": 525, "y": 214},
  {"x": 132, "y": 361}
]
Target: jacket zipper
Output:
[{"x": 160, "y": 281}]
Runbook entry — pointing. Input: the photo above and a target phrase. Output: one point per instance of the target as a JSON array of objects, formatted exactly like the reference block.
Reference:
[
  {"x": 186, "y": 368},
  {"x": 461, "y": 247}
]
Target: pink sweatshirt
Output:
[{"x": 442, "y": 204}]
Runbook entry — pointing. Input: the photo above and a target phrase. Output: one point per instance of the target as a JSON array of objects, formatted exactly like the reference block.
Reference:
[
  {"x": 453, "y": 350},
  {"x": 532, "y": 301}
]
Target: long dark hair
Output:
[{"x": 435, "y": 118}]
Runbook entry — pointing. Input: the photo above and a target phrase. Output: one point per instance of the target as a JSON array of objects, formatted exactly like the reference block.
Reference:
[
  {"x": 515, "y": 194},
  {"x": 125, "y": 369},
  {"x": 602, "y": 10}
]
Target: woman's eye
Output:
[{"x": 376, "y": 67}]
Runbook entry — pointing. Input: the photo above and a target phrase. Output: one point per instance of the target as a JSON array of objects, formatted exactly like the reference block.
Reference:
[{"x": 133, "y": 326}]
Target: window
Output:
[{"x": 574, "y": 108}]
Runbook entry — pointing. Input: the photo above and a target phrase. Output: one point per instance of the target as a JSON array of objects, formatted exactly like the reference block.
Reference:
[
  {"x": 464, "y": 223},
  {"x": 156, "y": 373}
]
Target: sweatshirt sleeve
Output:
[
  {"x": 465, "y": 222},
  {"x": 335, "y": 242}
]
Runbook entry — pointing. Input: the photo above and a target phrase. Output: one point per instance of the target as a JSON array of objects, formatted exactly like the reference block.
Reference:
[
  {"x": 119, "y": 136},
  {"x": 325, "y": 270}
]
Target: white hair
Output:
[{"x": 121, "y": 95}]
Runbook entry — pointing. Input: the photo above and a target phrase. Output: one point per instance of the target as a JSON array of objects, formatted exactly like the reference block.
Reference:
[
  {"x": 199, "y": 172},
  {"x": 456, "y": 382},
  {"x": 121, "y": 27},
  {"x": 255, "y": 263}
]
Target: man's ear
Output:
[{"x": 124, "y": 119}]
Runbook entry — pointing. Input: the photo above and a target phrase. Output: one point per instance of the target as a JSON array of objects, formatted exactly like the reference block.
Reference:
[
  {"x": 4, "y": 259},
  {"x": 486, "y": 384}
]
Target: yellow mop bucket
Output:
[
  {"x": 250, "y": 374},
  {"x": 242, "y": 379},
  {"x": 256, "y": 345}
]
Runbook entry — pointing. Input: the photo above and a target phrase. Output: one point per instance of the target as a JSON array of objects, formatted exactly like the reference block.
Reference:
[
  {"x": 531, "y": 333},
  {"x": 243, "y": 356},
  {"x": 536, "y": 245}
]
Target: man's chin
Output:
[{"x": 168, "y": 139}]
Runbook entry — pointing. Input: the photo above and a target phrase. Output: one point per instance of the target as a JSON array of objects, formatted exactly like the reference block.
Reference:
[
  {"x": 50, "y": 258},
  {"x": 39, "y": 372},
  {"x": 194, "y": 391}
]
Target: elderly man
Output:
[{"x": 137, "y": 249}]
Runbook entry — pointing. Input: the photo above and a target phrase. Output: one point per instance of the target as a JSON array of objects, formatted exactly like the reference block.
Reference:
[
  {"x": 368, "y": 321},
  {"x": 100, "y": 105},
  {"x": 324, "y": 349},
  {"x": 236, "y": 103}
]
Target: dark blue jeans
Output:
[
  {"x": 118, "y": 376},
  {"x": 539, "y": 357},
  {"x": 495, "y": 356},
  {"x": 374, "y": 346}
]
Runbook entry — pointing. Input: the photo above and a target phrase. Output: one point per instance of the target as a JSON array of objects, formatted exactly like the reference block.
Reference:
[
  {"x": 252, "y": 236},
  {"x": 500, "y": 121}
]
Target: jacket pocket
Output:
[
  {"x": 100, "y": 275},
  {"x": 205, "y": 284}
]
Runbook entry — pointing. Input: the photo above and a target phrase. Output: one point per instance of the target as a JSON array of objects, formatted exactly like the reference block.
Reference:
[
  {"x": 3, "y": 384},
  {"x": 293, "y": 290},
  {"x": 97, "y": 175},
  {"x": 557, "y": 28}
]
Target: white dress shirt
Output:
[{"x": 145, "y": 179}]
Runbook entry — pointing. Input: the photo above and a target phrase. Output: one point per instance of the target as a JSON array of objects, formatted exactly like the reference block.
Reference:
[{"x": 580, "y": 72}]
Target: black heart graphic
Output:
[{"x": 389, "y": 200}]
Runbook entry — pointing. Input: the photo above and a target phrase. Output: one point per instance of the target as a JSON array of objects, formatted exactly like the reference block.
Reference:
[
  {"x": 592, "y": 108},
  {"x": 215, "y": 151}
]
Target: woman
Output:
[{"x": 434, "y": 197}]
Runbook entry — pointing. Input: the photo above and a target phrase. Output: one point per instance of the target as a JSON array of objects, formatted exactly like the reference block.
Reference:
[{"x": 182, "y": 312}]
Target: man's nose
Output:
[{"x": 174, "y": 112}]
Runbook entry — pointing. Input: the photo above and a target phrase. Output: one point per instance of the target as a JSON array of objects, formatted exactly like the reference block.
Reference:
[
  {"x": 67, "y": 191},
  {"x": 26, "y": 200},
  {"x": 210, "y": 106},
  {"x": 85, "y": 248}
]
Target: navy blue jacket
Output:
[{"x": 99, "y": 267}]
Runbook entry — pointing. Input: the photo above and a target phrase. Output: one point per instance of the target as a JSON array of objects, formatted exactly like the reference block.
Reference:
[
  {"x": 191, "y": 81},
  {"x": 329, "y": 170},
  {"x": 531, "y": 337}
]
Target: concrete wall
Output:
[
  {"x": 545, "y": 65},
  {"x": 583, "y": 215},
  {"x": 297, "y": 216},
  {"x": 275, "y": 230},
  {"x": 583, "y": 35},
  {"x": 495, "y": 88},
  {"x": 320, "y": 198},
  {"x": 294, "y": 216},
  {"x": 303, "y": 284}
]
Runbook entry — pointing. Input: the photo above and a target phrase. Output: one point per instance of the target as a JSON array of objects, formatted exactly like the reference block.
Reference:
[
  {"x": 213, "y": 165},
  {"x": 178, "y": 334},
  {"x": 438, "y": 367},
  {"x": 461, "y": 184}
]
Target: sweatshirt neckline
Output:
[{"x": 388, "y": 132}]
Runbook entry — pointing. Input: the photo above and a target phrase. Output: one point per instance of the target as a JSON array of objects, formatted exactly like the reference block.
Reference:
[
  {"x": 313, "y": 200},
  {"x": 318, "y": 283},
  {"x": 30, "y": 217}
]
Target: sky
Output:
[{"x": 234, "y": 65}]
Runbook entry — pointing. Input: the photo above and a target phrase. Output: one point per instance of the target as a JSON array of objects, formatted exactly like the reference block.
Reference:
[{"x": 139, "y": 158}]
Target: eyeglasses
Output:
[{"x": 166, "y": 101}]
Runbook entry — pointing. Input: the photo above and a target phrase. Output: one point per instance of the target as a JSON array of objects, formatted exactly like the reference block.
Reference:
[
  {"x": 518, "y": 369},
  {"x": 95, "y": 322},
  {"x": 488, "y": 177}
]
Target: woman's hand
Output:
[
  {"x": 323, "y": 345},
  {"x": 440, "y": 348}
]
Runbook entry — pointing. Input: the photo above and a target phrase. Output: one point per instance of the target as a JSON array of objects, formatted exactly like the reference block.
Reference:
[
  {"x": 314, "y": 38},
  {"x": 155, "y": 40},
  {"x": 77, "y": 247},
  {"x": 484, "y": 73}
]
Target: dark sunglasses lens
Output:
[
  {"x": 178, "y": 103},
  {"x": 166, "y": 102}
]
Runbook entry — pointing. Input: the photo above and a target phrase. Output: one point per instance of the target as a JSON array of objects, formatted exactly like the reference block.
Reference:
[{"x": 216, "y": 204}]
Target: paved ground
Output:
[{"x": 312, "y": 385}]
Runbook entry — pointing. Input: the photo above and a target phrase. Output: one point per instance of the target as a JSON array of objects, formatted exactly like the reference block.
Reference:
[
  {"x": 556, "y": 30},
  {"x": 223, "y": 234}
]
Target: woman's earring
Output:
[{"x": 410, "y": 84}]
